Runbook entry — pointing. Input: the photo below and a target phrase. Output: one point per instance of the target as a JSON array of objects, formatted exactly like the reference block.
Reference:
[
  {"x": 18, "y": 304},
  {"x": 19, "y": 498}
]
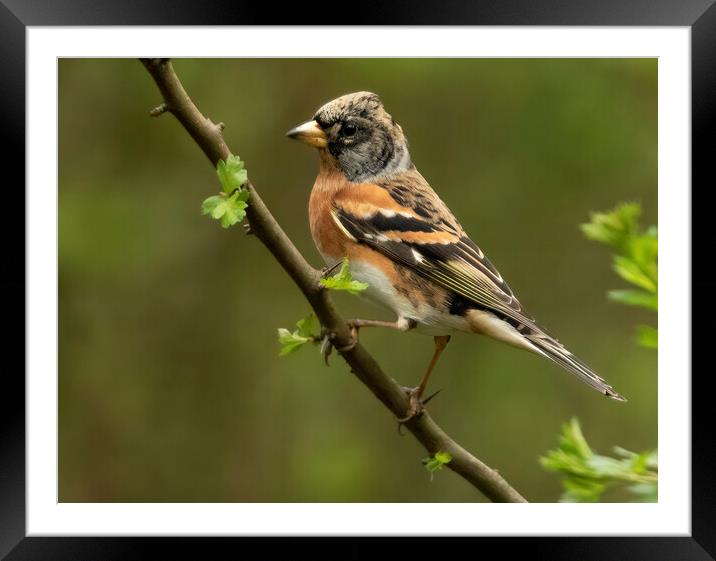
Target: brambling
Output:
[{"x": 370, "y": 204}]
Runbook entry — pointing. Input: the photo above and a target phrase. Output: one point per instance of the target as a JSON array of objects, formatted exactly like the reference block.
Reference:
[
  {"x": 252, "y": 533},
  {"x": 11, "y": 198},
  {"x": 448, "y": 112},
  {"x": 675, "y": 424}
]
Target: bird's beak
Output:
[{"x": 310, "y": 133}]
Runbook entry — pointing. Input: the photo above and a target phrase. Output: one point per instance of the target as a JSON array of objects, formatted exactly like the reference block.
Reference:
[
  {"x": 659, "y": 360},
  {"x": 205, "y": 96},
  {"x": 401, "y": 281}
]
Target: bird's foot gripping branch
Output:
[{"x": 209, "y": 137}]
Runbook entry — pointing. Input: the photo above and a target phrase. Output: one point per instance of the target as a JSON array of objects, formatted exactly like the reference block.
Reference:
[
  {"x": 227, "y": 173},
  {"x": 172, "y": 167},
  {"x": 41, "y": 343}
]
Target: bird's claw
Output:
[
  {"x": 326, "y": 345},
  {"x": 327, "y": 342},
  {"x": 416, "y": 405}
]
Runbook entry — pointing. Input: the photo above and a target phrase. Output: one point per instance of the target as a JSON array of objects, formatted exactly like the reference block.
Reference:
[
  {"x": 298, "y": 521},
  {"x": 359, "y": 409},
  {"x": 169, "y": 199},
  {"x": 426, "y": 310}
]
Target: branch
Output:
[{"x": 209, "y": 137}]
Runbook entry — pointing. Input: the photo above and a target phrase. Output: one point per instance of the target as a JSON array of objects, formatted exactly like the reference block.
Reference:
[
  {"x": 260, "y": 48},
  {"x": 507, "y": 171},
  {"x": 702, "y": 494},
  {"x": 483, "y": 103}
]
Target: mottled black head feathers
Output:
[{"x": 363, "y": 138}]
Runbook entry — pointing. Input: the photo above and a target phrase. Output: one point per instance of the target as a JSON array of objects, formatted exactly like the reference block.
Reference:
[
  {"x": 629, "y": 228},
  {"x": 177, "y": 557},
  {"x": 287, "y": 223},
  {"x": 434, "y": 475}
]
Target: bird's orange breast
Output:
[{"x": 328, "y": 238}]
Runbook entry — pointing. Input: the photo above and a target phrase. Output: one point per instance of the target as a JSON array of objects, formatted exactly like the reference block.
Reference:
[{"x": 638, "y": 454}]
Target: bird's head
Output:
[{"x": 358, "y": 136}]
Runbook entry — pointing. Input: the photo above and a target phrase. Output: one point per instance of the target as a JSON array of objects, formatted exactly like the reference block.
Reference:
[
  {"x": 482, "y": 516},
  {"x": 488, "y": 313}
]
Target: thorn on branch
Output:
[
  {"x": 326, "y": 271},
  {"x": 427, "y": 399},
  {"x": 220, "y": 126},
  {"x": 159, "y": 110}
]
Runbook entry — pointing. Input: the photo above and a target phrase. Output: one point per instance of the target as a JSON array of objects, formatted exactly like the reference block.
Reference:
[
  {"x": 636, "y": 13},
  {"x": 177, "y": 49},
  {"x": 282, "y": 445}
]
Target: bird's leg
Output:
[
  {"x": 415, "y": 394},
  {"x": 401, "y": 324},
  {"x": 354, "y": 325}
]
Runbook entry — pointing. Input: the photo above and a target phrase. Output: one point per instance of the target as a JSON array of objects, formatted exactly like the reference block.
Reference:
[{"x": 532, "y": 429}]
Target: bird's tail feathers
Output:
[{"x": 555, "y": 351}]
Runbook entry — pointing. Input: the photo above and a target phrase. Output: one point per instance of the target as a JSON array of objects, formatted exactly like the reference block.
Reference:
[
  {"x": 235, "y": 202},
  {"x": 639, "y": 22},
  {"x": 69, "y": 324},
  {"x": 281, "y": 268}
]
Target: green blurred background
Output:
[{"x": 170, "y": 384}]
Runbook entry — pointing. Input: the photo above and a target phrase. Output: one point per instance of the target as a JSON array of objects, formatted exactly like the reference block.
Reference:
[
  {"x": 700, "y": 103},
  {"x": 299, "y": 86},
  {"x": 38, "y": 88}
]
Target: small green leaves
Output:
[
  {"x": 309, "y": 325},
  {"x": 290, "y": 341},
  {"x": 232, "y": 174},
  {"x": 634, "y": 298},
  {"x": 614, "y": 228},
  {"x": 635, "y": 259},
  {"x": 631, "y": 271},
  {"x": 647, "y": 336},
  {"x": 636, "y": 252},
  {"x": 436, "y": 462},
  {"x": 343, "y": 280},
  {"x": 229, "y": 206},
  {"x": 229, "y": 210},
  {"x": 586, "y": 475},
  {"x": 305, "y": 332}
]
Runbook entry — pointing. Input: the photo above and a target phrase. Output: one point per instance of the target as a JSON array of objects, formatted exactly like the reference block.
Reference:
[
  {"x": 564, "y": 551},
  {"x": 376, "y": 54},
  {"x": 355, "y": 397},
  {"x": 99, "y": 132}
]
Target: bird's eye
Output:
[{"x": 348, "y": 129}]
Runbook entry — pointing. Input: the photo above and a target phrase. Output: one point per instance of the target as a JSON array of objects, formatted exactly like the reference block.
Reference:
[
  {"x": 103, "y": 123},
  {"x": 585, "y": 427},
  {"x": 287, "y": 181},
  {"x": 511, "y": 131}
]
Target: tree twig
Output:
[{"x": 209, "y": 138}]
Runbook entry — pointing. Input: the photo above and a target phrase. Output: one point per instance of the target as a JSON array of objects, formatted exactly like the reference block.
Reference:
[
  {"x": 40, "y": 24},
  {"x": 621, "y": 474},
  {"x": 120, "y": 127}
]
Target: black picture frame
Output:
[{"x": 16, "y": 15}]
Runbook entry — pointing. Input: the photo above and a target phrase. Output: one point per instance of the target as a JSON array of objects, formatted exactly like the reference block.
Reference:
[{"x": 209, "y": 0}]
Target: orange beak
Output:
[{"x": 310, "y": 133}]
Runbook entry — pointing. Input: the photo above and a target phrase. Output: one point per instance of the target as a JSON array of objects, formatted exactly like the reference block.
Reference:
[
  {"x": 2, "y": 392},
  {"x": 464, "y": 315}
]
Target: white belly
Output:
[{"x": 381, "y": 291}]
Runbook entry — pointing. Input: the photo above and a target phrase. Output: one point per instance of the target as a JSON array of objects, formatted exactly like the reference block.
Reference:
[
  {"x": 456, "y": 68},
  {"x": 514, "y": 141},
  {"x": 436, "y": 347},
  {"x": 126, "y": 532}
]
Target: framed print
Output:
[{"x": 179, "y": 319}]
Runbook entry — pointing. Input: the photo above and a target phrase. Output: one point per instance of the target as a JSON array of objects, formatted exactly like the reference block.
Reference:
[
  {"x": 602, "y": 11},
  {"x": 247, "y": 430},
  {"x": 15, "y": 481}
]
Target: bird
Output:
[{"x": 370, "y": 205}]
